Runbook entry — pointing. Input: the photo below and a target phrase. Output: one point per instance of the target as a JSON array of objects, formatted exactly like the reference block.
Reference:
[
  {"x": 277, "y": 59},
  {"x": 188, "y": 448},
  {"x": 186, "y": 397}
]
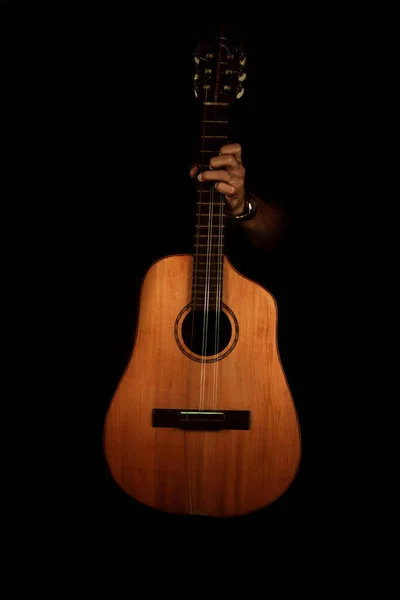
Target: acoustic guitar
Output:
[{"x": 203, "y": 421}]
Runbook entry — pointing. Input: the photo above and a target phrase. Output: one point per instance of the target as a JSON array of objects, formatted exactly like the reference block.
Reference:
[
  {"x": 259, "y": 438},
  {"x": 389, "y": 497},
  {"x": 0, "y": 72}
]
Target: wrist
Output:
[
  {"x": 238, "y": 210},
  {"x": 246, "y": 211}
]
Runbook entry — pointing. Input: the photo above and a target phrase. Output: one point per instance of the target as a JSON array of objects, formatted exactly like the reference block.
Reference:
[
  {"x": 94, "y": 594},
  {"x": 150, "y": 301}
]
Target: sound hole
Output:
[{"x": 206, "y": 333}]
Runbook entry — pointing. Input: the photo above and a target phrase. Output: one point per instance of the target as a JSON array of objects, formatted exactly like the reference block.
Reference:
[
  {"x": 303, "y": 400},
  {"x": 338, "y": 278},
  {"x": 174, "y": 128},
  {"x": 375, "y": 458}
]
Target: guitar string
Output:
[
  {"x": 218, "y": 202},
  {"x": 211, "y": 270},
  {"x": 209, "y": 440},
  {"x": 206, "y": 301},
  {"x": 218, "y": 288},
  {"x": 214, "y": 270},
  {"x": 206, "y": 309},
  {"x": 221, "y": 254},
  {"x": 218, "y": 301},
  {"x": 206, "y": 284},
  {"x": 216, "y": 296},
  {"x": 193, "y": 310},
  {"x": 214, "y": 307}
]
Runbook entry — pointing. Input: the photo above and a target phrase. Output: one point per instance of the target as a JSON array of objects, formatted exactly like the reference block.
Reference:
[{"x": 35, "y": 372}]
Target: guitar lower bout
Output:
[{"x": 194, "y": 431}]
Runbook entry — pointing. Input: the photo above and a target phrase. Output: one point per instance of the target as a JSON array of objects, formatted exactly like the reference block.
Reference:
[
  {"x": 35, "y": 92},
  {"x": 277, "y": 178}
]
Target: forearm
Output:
[{"x": 266, "y": 229}]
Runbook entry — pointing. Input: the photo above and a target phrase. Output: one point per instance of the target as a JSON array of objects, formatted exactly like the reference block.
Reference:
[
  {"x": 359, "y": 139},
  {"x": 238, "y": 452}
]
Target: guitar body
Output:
[{"x": 234, "y": 463}]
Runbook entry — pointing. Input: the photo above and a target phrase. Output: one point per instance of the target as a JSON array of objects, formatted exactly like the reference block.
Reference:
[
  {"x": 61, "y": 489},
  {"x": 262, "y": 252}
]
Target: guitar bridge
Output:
[{"x": 201, "y": 420}]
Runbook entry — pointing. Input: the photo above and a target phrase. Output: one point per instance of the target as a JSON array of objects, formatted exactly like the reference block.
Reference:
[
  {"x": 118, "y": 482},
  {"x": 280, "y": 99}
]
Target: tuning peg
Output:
[
  {"x": 242, "y": 77},
  {"x": 240, "y": 93},
  {"x": 242, "y": 61}
]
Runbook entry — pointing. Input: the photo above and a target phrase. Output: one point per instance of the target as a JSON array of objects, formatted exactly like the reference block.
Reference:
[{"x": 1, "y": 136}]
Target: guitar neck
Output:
[
  {"x": 207, "y": 279},
  {"x": 218, "y": 82}
]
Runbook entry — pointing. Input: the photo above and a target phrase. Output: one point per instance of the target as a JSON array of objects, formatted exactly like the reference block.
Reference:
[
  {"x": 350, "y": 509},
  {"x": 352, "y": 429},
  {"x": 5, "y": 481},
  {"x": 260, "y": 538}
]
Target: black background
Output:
[
  {"x": 138, "y": 131},
  {"x": 110, "y": 124}
]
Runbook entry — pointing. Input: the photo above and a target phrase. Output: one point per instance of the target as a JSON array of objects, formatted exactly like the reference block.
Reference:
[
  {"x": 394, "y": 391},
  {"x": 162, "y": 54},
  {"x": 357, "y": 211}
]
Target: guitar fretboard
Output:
[{"x": 209, "y": 239}]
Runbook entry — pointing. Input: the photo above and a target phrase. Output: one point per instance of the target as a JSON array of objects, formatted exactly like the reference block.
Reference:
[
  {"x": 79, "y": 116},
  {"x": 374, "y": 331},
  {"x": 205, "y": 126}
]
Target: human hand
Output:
[{"x": 229, "y": 174}]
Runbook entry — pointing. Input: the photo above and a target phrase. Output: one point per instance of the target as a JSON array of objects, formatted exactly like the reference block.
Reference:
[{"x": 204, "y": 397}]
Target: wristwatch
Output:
[{"x": 249, "y": 211}]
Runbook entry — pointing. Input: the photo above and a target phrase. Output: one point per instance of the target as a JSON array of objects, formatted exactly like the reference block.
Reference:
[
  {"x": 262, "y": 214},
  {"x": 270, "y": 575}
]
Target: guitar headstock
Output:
[{"x": 219, "y": 70}]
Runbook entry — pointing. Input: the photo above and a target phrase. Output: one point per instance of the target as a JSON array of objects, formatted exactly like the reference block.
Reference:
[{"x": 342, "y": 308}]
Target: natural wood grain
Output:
[{"x": 222, "y": 473}]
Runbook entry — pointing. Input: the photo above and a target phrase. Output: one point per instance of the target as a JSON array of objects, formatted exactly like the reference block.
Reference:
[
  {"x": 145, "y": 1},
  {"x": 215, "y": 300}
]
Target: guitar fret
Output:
[
  {"x": 214, "y": 275},
  {"x": 208, "y": 299},
  {"x": 207, "y": 121},
  {"x": 212, "y": 267},
  {"x": 201, "y": 298},
  {"x": 212, "y": 137}
]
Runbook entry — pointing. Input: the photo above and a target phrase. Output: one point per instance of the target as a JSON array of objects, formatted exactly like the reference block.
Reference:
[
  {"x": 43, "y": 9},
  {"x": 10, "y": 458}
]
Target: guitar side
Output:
[{"x": 220, "y": 473}]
